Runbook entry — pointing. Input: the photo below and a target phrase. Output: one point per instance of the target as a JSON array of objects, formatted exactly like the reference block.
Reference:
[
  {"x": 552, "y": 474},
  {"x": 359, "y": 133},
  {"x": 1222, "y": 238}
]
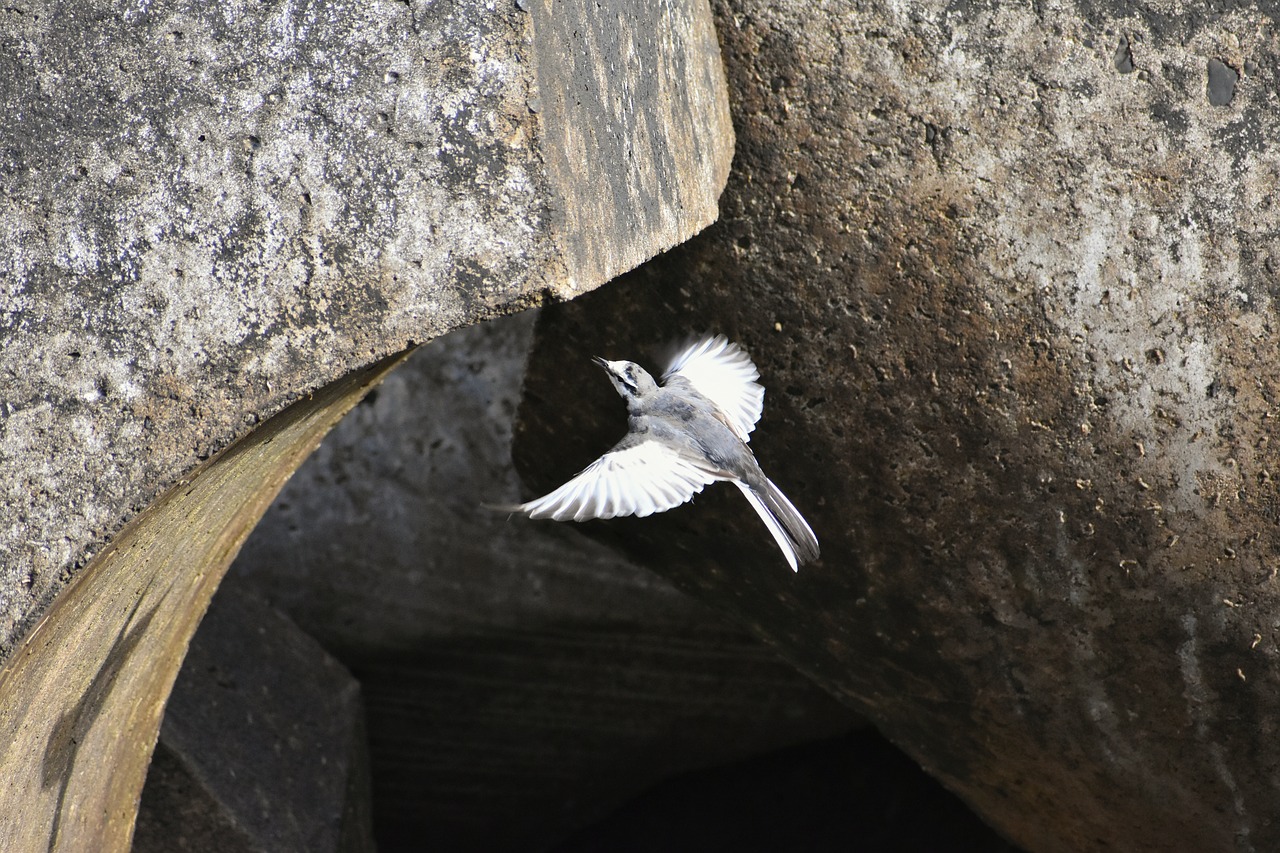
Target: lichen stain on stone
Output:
[
  {"x": 1123, "y": 56},
  {"x": 1221, "y": 83}
]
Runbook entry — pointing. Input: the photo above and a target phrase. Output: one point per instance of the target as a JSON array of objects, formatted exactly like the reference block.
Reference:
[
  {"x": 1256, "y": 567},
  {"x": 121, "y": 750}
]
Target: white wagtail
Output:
[{"x": 690, "y": 431}]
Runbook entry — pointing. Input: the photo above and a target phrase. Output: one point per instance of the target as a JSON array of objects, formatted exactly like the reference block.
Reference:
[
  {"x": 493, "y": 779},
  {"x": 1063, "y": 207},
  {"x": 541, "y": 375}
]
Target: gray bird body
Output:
[{"x": 682, "y": 435}]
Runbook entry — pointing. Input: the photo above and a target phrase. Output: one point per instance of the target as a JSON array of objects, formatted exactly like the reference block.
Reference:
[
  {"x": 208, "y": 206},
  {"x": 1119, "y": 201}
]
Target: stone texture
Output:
[
  {"x": 264, "y": 736},
  {"x": 210, "y": 210},
  {"x": 1015, "y": 311},
  {"x": 520, "y": 679}
]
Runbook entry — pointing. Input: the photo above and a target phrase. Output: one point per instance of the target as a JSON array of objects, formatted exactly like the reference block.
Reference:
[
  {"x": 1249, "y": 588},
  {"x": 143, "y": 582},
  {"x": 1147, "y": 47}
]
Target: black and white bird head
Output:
[{"x": 631, "y": 380}]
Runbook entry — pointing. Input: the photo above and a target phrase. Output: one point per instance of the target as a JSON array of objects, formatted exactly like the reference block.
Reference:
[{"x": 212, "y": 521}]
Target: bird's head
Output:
[{"x": 630, "y": 379}]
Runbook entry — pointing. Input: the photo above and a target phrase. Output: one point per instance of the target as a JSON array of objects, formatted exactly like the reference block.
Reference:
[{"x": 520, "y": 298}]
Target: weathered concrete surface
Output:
[
  {"x": 265, "y": 740},
  {"x": 208, "y": 210},
  {"x": 1010, "y": 276},
  {"x": 520, "y": 680}
]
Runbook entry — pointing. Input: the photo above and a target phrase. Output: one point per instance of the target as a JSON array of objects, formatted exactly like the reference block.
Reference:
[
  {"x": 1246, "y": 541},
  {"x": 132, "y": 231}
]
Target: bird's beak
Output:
[{"x": 600, "y": 361}]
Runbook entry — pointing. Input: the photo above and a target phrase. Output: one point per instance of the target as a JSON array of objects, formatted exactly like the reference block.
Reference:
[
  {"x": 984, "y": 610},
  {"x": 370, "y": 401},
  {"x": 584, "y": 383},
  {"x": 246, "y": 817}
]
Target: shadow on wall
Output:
[
  {"x": 855, "y": 792},
  {"x": 522, "y": 680}
]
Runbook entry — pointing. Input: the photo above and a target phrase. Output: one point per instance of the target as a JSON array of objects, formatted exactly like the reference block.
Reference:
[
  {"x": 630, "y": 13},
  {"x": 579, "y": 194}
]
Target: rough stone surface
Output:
[
  {"x": 269, "y": 730},
  {"x": 520, "y": 679},
  {"x": 1015, "y": 309},
  {"x": 209, "y": 210}
]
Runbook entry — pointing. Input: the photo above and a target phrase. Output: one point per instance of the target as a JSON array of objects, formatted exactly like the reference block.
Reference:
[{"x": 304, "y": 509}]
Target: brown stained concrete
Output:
[
  {"x": 1012, "y": 290},
  {"x": 80, "y": 704}
]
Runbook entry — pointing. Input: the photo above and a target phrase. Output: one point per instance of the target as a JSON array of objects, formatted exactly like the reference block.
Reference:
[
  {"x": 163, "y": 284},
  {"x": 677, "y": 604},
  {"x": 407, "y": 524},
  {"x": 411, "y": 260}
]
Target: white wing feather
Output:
[
  {"x": 720, "y": 371},
  {"x": 639, "y": 480}
]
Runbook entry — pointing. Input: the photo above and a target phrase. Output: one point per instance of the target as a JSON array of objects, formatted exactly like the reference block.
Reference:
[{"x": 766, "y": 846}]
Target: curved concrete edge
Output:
[{"x": 81, "y": 701}]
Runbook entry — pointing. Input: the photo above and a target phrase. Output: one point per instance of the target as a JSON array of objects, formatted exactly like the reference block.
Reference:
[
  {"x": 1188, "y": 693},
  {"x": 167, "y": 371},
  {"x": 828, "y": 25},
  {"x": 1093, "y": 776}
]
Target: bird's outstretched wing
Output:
[
  {"x": 720, "y": 371},
  {"x": 639, "y": 479}
]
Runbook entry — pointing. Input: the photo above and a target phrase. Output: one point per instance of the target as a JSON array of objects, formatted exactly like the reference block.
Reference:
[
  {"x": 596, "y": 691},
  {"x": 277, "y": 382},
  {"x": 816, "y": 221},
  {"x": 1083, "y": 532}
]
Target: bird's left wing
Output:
[
  {"x": 719, "y": 370},
  {"x": 639, "y": 479}
]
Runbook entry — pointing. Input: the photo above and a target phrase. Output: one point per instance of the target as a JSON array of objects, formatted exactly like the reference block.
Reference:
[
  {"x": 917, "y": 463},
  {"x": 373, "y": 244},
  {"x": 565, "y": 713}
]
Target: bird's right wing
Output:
[
  {"x": 719, "y": 370},
  {"x": 640, "y": 480}
]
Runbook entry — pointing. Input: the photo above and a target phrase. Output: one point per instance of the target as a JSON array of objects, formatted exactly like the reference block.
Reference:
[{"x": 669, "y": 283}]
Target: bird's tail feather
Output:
[{"x": 789, "y": 529}]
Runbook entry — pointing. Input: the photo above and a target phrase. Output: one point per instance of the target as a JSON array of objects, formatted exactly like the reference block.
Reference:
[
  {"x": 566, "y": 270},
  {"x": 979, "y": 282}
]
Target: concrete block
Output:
[
  {"x": 1009, "y": 276},
  {"x": 263, "y": 743}
]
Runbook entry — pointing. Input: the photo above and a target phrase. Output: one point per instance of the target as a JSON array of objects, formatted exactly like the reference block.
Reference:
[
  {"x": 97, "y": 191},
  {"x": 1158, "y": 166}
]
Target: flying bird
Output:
[{"x": 688, "y": 432}]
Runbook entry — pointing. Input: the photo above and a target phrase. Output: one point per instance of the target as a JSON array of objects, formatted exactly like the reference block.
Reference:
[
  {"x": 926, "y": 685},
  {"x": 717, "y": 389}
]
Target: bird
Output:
[{"x": 683, "y": 434}]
